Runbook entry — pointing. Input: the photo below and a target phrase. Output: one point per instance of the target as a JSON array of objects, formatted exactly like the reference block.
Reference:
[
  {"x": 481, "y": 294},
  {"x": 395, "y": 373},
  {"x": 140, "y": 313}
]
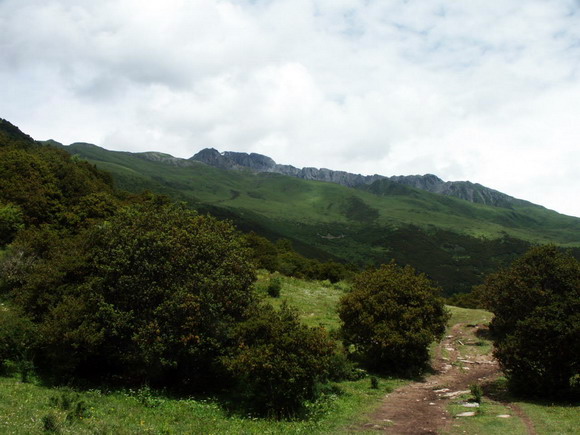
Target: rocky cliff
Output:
[{"x": 259, "y": 163}]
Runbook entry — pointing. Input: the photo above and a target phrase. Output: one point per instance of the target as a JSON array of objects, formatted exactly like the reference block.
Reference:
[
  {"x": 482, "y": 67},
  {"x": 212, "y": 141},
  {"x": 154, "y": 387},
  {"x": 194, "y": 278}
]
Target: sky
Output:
[{"x": 480, "y": 90}]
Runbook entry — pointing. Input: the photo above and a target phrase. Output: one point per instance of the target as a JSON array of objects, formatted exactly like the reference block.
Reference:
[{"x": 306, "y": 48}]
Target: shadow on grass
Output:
[{"x": 498, "y": 390}]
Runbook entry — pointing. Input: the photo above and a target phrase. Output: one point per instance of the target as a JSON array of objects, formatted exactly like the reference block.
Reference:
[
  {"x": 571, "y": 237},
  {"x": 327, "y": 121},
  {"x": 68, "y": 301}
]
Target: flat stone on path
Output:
[
  {"x": 466, "y": 414},
  {"x": 454, "y": 394},
  {"x": 504, "y": 416}
]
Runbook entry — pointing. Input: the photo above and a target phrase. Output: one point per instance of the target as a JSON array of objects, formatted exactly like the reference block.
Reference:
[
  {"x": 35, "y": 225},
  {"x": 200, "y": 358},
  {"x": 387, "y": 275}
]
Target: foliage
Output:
[
  {"x": 264, "y": 252},
  {"x": 50, "y": 423},
  {"x": 11, "y": 221},
  {"x": 536, "y": 303},
  {"x": 149, "y": 295},
  {"x": 464, "y": 300},
  {"x": 278, "y": 362},
  {"x": 391, "y": 316},
  {"x": 17, "y": 337},
  {"x": 476, "y": 392},
  {"x": 274, "y": 287},
  {"x": 47, "y": 184}
]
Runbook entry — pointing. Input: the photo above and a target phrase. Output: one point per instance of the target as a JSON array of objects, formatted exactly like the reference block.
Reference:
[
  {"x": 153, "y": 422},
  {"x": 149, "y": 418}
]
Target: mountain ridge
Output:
[{"x": 466, "y": 190}]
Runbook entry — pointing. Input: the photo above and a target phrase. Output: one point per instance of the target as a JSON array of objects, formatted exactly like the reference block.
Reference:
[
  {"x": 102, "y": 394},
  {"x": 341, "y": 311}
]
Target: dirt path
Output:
[{"x": 421, "y": 407}]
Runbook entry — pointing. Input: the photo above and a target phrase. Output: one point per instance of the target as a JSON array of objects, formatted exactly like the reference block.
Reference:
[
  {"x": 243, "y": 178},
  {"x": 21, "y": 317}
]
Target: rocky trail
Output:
[{"x": 421, "y": 407}]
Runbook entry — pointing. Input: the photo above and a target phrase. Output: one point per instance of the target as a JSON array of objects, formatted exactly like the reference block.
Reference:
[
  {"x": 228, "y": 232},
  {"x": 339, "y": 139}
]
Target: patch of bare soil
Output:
[{"x": 421, "y": 407}]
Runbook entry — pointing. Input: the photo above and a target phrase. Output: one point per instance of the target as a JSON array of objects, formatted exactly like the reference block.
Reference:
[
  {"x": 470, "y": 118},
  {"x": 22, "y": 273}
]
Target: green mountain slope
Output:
[{"x": 453, "y": 241}]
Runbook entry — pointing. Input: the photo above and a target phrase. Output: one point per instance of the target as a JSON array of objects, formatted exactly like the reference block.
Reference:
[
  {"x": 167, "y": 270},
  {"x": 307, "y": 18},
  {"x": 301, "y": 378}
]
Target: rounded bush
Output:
[
  {"x": 536, "y": 324},
  {"x": 391, "y": 316},
  {"x": 278, "y": 362}
]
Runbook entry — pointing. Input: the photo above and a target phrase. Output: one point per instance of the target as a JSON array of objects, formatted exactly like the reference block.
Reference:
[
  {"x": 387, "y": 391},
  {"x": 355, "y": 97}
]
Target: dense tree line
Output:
[{"x": 281, "y": 257}]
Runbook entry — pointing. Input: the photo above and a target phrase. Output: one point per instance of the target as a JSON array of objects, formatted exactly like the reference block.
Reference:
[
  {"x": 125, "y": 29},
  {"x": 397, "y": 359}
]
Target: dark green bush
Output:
[
  {"x": 344, "y": 369},
  {"x": 263, "y": 252},
  {"x": 278, "y": 362},
  {"x": 391, "y": 316},
  {"x": 149, "y": 296},
  {"x": 17, "y": 338},
  {"x": 536, "y": 324},
  {"x": 274, "y": 287}
]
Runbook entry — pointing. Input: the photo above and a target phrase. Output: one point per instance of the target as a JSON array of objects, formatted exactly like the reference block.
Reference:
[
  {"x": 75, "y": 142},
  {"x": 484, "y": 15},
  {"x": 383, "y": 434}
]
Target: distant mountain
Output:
[
  {"x": 465, "y": 190},
  {"x": 260, "y": 163}
]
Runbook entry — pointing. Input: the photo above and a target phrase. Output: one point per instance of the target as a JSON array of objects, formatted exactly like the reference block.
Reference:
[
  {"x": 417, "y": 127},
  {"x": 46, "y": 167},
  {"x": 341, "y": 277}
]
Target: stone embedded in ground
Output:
[
  {"x": 466, "y": 414},
  {"x": 442, "y": 390},
  {"x": 455, "y": 394},
  {"x": 470, "y": 404},
  {"x": 504, "y": 416}
]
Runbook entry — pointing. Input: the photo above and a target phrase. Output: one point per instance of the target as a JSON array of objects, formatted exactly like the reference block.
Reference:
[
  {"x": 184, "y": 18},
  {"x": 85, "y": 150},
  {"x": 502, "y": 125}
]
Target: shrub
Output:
[
  {"x": 278, "y": 362},
  {"x": 476, "y": 392},
  {"x": 16, "y": 341},
  {"x": 149, "y": 296},
  {"x": 274, "y": 287},
  {"x": 391, "y": 316},
  {"x": 344, "y": 369},
  {"x": 536, "y": 324}
]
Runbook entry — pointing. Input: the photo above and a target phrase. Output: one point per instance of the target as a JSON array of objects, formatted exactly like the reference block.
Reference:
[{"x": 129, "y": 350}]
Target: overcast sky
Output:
[{"x": 479, "y": 90}]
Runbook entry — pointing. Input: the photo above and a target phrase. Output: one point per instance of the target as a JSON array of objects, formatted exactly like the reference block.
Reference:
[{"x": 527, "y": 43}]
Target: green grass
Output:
[
  {"x": 316, "y": 301},
  {"x": 469, "y": 316},
  {"x": 485, "y": 422},
  {"x": 23, "y": 406},
  {"x": 551, "y": 418}
]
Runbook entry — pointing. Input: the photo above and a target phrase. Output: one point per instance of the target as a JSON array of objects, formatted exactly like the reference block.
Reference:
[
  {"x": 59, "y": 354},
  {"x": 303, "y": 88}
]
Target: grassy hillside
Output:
[
  {"x": 454, "y": 241},
  {"x": 317, "y": 204}
]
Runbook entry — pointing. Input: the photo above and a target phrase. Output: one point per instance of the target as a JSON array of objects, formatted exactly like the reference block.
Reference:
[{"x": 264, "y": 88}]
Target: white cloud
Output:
[{"x": 479, "y": 90}]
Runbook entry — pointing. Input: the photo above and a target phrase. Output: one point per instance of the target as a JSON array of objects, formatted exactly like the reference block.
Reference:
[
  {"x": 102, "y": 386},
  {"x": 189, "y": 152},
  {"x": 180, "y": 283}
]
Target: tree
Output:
[
  {"x": 536, "y": 303},
  {"x": 150, "y": 295},
  {"x": 391, "y": 316}
]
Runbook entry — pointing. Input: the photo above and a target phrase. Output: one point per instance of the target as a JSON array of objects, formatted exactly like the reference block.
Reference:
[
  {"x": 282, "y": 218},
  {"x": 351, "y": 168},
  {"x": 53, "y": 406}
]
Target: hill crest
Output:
[{"x": 466, "y": 190}]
